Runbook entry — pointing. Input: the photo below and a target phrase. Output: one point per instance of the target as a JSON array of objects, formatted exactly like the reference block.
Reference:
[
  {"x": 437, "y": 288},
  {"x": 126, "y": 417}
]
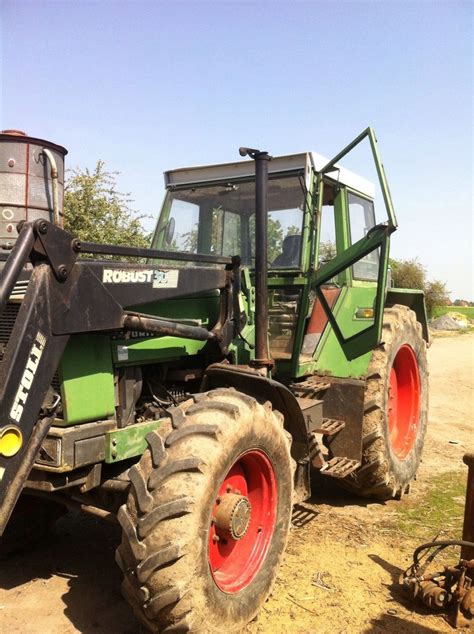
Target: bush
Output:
[{"x": 95, "y": 211}]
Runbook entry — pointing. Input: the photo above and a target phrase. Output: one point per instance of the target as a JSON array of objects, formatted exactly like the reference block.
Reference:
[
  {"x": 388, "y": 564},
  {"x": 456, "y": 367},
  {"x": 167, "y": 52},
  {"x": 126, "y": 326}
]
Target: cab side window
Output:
[
  {"x": 361, "y": 219},
  {"x": 327, "y": 238}
]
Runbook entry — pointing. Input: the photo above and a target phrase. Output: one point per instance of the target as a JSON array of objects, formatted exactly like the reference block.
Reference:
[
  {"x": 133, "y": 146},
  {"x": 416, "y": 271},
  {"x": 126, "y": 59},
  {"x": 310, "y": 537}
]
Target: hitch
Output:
[{"x": 453, "y": 586}]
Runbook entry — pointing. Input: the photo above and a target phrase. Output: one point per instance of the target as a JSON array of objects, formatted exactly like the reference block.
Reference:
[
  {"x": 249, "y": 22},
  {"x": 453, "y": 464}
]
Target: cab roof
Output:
[{"x": 306, "y": 161}]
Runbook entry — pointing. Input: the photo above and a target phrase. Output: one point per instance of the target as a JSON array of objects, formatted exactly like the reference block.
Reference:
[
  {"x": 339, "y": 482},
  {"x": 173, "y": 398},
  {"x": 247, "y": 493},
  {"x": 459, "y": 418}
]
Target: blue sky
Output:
[{"x": 149, "y": 86}]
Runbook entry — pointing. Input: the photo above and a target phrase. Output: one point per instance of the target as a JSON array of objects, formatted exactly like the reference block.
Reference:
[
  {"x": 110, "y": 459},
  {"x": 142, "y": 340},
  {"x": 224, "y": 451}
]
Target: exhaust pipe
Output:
[{"x": 262, "y": 358}]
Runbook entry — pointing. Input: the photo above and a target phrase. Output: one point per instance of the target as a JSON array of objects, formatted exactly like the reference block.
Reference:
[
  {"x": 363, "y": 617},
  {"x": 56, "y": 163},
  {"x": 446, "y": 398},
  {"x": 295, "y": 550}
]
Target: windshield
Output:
[{"x": 220, "y": 220}]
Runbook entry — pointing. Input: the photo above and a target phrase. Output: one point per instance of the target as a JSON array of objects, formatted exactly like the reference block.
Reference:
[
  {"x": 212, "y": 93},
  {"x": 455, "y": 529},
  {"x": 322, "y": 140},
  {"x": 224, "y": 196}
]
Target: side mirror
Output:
[{"x": 169, "y": 231}]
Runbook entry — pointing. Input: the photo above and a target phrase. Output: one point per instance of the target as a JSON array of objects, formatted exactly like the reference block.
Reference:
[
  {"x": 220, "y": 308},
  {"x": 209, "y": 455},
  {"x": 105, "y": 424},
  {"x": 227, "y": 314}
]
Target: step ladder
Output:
[
  {"x": 339, "y": 467},
  {"x": 311, "y": 388},
  {"x": 330, "y": 426},
  {"x": 312, "y": 407}
]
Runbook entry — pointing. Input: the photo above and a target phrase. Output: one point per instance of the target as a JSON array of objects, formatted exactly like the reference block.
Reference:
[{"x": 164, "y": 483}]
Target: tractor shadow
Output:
[
  {"x": 326, "y": 490},
  {"x": 396, "y": 624},
  {"x": 81, "y": 550},
  {"x": 327, "y": 493}
]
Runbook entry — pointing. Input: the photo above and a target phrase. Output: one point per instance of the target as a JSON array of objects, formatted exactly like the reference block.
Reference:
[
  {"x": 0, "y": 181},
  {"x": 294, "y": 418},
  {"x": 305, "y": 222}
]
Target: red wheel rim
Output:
[
  {"x": 403, "y": 402},
  {"x": 243, "y": 521}
]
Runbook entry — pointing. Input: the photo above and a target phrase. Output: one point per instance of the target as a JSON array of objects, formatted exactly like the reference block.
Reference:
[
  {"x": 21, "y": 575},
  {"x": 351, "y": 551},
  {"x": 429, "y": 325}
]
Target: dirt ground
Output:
[{"x": 340, "y": 573}]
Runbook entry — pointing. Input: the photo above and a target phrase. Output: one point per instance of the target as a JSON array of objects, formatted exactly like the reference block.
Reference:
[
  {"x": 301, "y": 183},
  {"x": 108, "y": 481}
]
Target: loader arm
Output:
[{"x": 66, "y": 296}]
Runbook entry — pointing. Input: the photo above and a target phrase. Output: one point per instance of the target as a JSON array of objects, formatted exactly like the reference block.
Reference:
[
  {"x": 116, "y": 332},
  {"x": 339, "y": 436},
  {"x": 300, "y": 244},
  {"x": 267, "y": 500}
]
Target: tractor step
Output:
[
  {"x": 310, "y": 388},
  {"x": 339, "y": 467},
  {"x": 330, "y": 426}
]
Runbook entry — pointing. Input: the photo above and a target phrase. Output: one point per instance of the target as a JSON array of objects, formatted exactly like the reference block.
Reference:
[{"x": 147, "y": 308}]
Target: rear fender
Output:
[{"x": 414, "y": 299}]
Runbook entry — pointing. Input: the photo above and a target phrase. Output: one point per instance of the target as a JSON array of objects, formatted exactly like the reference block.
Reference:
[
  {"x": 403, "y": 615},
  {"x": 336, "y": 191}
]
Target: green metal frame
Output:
[
  {"x": 347, "y": 255},
  {"x": 331, "y": 167},
  {"x": 308, "y": 247},
  {"x": 128, "y": 442},
  {"x": 359, "y": 343}
]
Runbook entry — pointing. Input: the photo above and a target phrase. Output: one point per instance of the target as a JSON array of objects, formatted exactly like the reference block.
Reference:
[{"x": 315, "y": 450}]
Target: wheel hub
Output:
[
  {"x": 243, "y": 519},
  {"x": 233, "y": 515}
]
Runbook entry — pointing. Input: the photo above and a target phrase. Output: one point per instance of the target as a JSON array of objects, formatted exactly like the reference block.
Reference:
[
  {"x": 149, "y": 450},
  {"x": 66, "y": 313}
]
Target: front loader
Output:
[{"x": 188, "y": 390}]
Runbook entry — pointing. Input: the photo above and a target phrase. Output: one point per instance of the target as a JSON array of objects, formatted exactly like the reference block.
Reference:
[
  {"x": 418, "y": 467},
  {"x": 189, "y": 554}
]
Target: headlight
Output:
[
  {"x": 364, "y": 313},
  {"x": 11, "y": 440}
]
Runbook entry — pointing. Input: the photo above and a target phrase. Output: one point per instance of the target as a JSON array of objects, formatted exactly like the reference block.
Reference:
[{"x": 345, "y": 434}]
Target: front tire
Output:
[
  {"x": 396, "y": 409},
  {"x": 207, "y": 519}
]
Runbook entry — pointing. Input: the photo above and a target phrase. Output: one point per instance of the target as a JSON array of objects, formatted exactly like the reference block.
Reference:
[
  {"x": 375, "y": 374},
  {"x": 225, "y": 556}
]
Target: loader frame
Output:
[{"x": 66, "y": 296}]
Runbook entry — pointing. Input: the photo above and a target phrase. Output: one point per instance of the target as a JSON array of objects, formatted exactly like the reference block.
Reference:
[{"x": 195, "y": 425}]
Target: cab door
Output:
[{"x": 350, "y": 283}]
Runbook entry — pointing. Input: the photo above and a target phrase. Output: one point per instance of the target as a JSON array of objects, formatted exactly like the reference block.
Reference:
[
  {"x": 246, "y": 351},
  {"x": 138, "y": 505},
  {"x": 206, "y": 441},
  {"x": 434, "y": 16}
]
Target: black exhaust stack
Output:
[{"x": 261, "y": 159}]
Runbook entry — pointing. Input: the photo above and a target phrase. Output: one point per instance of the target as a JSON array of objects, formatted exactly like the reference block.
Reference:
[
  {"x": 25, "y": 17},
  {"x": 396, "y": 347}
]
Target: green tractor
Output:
[{"x": 188, "y": 390}]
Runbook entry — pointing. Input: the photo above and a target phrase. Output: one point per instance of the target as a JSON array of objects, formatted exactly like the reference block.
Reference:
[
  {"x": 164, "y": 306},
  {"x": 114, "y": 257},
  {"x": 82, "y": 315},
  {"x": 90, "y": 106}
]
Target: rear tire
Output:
[
  {"x": 220, "y": 468},
  {"x": 393, "y": 437}
]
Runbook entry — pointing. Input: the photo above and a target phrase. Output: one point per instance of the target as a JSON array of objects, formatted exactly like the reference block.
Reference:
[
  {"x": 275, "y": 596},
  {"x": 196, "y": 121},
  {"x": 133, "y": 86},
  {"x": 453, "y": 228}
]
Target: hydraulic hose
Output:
[
  {"x": 443, "y": 544},
  {"x": 54, "y": 183}
]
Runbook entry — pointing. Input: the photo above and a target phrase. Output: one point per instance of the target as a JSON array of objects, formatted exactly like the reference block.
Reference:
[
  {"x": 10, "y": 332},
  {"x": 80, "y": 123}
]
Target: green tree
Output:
[
  {"x": 189, "y": 240},
  {"x": 435, "y": 295},
  {"x": 327, "y": 251},
  {"x": 274, "y": 236},
  {"x": 293, "y": 230},
  {"x": 408, "y": 273},
  {"x": 412, "y": 274},
  {"x": 95, "y": 211}
]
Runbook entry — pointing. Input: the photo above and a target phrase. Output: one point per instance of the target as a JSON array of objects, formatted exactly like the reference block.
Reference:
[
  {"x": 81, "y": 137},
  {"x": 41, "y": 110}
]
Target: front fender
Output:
[{"x": 251, "y": 382}]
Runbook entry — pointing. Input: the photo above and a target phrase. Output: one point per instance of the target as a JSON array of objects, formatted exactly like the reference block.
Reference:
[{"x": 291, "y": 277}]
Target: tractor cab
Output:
[{"x": 313, "y": 217}]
